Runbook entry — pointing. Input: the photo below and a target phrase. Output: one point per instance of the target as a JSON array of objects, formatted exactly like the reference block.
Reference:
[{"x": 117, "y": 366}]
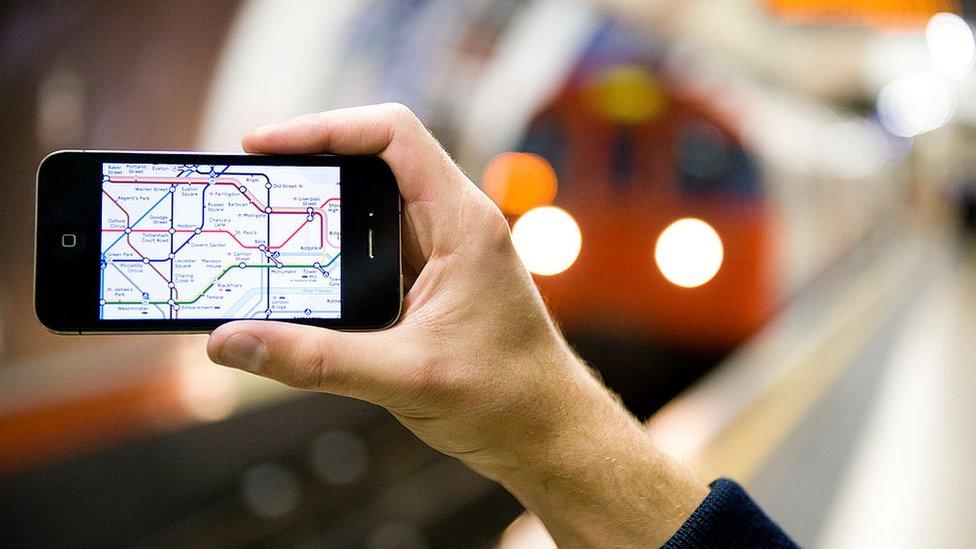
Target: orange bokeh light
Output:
[
  {"x": 519, "y": 181},
  {"x": 882, "y": 13}
]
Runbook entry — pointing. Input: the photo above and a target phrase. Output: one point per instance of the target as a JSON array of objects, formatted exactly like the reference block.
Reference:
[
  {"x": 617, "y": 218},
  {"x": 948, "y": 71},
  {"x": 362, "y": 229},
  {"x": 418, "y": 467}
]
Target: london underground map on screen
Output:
[{"x": 182, "y": 241}]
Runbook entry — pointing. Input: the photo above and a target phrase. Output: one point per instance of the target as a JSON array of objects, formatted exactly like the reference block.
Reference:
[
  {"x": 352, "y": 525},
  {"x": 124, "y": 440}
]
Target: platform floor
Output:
[{"x": 886, "y": 458}]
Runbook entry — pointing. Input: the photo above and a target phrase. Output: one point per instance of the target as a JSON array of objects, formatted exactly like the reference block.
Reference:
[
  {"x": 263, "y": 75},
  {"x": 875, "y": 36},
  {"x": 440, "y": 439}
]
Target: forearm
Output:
[
  {"x": 599, "y": 480},
  {"x": 475, "y": 366}
]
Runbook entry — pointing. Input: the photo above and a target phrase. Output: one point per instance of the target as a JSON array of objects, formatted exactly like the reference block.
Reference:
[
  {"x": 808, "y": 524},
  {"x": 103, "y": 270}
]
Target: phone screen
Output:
[{"x": 205, "y": 241}]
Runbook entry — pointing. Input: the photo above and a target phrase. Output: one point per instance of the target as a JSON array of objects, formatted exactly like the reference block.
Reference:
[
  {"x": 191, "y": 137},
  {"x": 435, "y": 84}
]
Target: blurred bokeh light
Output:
[
  {"x": 270, "y": 490},
  {"x": 689, "y": 253},
  {"x": 916, "y": 105},
  {"x": 547, "y": 239},
  {"x": 753, "y": 219},
  {"x": 950, "y": 41},
  {"x": 518, "y": 182},
  {"x": 628, "y": 94}
]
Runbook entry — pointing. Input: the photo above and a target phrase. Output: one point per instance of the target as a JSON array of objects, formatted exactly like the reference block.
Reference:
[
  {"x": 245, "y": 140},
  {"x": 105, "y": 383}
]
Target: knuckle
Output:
[
  {"x": 493, "y": 225},
  {"x": 315, "y": 119},
  {"x": 309, "y": 367},
  {"x": 401, "y": 114},
  {"x": 497, "y": 227},
  {"x": 322, "y": 369},
  {"x": 317, "y": 373}
]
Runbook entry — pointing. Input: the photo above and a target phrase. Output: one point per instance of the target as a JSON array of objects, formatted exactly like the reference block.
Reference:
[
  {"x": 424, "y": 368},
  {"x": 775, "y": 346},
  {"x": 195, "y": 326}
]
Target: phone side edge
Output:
[{"x": 37, "y": 225}]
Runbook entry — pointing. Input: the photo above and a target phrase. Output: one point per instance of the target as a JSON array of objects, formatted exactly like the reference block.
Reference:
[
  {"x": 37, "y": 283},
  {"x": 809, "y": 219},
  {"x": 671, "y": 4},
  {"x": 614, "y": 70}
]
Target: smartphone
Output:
[{"x": 183, "y": 242}]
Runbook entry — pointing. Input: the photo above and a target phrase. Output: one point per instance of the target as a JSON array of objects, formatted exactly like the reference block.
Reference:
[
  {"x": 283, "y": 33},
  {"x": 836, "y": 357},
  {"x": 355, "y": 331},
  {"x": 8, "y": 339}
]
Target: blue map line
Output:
[
  {"x": 101, "y": 287},
  {"x": 134, "y": 285},
  {"x": 132, "y": 226},
  {"x": 242, "y": 302},
  {"x": 263, "y": 281},
  {"x": 268, "y": 244},
  {"x": 203, "y": 218},
  {"x": 252, "y": 311},
  {"x": 101, "y": 291},
  {"x": 203, "y": 211},
  {"x": 331, "y": 261},
  {"x": 172, "y": 237},
  {"x": 203, "y": 204},
  {"x": 215, "y": 172}
]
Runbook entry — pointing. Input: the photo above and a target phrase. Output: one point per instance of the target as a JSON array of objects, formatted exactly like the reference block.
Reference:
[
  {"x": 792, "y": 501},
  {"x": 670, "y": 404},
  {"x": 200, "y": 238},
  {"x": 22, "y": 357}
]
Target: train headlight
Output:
[
  {"x": 547, "y": 239},
  {"x": 689, "y": 252}
]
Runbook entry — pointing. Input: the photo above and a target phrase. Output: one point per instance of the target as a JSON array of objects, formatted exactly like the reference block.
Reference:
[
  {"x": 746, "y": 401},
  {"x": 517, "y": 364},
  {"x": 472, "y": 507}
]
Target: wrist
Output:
[{"x": 596, "y": 478}]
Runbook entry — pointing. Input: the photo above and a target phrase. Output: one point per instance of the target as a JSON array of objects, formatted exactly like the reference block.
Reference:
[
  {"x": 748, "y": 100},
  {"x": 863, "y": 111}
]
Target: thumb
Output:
[{"x": 358, "y": 365}]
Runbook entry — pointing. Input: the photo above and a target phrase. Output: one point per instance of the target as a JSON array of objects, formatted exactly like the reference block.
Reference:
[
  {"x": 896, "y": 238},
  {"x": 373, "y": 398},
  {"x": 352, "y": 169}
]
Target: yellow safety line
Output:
[{"x": 747, "y": 442}]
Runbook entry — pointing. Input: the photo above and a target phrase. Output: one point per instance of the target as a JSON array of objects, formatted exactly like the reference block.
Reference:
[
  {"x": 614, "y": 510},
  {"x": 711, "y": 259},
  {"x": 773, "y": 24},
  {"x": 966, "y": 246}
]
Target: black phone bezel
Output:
[{"x": 69, "y": 202}]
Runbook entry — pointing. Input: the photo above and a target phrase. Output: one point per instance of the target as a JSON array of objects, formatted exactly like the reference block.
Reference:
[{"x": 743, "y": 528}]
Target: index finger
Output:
[{"x": 422, "y": 168}]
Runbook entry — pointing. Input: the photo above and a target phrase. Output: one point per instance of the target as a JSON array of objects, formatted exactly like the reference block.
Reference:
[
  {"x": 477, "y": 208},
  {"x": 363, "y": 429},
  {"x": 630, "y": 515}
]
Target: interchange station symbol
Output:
[{"x": 270, "y": 253}]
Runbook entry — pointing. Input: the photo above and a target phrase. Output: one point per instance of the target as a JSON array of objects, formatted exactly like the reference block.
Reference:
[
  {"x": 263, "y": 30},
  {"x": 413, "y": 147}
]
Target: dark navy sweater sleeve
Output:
[{"x": 728, "y": 518}]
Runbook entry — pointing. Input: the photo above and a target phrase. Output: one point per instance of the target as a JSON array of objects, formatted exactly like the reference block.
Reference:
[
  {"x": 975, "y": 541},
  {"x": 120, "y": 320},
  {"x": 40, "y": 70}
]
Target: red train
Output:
[{"x": 632, "y": 156}]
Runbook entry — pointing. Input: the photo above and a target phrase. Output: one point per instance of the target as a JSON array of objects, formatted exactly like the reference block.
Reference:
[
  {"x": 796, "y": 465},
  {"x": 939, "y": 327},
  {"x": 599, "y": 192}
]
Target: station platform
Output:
[
  {"x": 884, "y": 458},
  {"x": 850, "y": 418},
  {"x": 827, "y": 365}
]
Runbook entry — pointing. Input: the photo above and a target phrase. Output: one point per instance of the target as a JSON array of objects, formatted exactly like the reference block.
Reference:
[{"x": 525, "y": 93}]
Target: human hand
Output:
[{"x": 475, "y": 367}]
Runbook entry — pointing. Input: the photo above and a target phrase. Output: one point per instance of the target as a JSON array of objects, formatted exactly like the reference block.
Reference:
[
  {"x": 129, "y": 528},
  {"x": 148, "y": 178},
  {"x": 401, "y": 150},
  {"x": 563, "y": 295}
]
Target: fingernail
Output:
[
  {"x": 263, "y": 129},
  {"x": 242, "y": 351}
]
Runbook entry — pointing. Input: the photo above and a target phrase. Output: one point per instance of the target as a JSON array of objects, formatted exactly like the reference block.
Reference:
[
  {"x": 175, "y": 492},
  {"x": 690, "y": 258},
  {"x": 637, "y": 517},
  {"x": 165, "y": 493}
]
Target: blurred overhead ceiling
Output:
[{"x": 828, "y": 50}]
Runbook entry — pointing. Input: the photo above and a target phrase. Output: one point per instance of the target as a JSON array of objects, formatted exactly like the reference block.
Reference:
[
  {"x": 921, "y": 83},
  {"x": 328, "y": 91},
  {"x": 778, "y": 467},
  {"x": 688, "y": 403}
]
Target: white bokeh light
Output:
[
  {"x": 547, "y": 239},
  {"x": 689, "y": 252},
  {"x": 951, "y": 44},
  {"x": 271, "y": 490},
  {"x": 915, "y": 105}
]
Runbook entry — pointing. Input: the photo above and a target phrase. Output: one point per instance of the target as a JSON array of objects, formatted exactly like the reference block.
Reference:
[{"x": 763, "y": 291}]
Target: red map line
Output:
[
  {"x": 116, "y": 202},
  {"x": 206, "y": 181},
  {"x": 228, "y": 233},
  {"x": 153, "y": 267},
  {"x": 323, "y": 220},
  {"x": 319, "y": 211}
]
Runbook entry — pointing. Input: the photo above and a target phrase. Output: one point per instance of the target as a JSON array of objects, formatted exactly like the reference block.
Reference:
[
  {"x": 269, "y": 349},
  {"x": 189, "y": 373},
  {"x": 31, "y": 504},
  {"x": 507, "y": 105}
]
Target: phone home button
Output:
[{"x": 70, "y": 244}]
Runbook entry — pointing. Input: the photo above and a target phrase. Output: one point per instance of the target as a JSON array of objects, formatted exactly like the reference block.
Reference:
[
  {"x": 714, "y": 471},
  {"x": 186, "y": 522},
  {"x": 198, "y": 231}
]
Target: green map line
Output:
[{"x": 221, "y": 275}]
